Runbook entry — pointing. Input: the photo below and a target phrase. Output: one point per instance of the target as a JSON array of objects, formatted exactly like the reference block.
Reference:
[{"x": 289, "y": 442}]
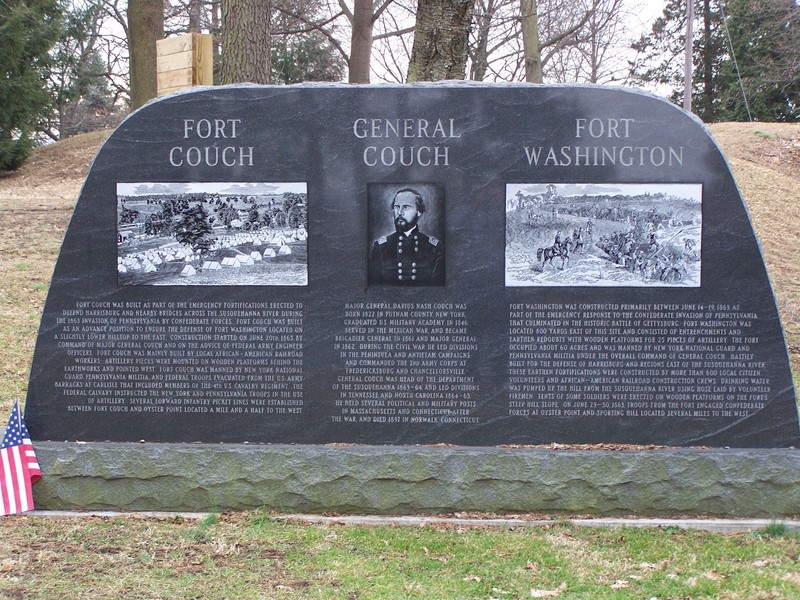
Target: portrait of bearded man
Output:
[{"x": 407, "y": 257}]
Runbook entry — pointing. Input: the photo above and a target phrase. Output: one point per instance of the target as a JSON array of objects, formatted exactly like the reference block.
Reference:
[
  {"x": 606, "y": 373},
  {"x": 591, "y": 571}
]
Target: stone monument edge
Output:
[
  {"x": 416, "y": 480},
  {"x": 457, "y": 85}
]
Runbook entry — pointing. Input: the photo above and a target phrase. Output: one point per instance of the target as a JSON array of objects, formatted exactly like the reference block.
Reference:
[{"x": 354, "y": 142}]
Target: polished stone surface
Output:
[{"x": 583, "y": 271}]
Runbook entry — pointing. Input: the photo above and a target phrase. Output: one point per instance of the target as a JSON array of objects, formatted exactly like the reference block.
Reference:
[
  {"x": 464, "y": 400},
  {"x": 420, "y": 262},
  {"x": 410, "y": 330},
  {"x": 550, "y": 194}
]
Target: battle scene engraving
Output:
[
  {"x": 212, "y": 234},
  {"x": 603, "y": 235}
]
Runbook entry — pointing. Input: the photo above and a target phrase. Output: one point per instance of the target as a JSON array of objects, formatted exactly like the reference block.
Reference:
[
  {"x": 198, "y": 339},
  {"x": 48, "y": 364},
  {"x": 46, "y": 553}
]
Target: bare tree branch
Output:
[
  {"x": 383, "y": 36},
  {"x": 320, "y": 27},
  {"x": 567, "y": 32},
  {"x": 376, "y": 14},
  {"x": 346, "y": 11}
]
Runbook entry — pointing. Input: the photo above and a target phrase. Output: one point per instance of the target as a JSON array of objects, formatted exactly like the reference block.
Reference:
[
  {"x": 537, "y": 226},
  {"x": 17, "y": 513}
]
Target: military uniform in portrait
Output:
[{"x": 407, "y": 258}]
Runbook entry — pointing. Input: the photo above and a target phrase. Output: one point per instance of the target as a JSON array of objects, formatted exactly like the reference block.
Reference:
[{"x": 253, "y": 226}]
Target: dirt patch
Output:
[
  {"x": 765, "y": 158},
  {"x": 775, "y": 146},
  {"x": 53, "y": 176}
]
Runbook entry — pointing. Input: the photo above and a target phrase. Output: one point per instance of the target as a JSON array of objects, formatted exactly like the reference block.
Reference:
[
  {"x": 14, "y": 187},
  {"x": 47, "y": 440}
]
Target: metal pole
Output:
[{"x": 687, "y": 57}]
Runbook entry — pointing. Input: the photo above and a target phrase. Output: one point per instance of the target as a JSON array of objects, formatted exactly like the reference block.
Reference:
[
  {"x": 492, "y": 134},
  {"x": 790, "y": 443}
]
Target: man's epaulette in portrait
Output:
[
  {"x": 433, "y": 240},
  {"x": 382, "y": 240}
]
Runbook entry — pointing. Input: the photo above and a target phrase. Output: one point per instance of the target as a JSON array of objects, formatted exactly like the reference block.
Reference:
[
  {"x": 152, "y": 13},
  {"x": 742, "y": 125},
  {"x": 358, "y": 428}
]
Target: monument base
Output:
[{"x": 418, "y": 480}]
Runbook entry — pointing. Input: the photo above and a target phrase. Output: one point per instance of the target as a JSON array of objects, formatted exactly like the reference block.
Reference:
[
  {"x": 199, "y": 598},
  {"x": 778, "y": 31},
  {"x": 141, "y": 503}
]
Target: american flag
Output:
[{"x": 19, "y": 469}]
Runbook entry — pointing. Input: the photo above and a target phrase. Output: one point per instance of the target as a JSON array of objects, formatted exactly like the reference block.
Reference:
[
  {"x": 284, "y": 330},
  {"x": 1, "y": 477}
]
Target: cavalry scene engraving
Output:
[
  {"x": 603, "y": 235},
  {"x": 212, "y": 234}
]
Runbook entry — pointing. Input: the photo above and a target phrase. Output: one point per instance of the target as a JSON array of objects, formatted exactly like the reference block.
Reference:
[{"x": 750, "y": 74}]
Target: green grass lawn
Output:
[{"x": 254, "y": 555}]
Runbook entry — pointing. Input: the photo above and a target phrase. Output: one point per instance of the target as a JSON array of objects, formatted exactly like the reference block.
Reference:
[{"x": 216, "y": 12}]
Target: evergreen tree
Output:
[
  {"x": 79, "y": 78},
  {"x": 659, "y": 61},
  {"x": 28, "y": 30},
  {"x": 292, "y": 198},
  {"x": 128, "y": 216},
  {"x": 161, "y": 222},
  {"x": 297, "y": 216},
  {"x": 252, "y": 218},
  {"x": 278, "y": 217},
  {"x": 193, "y": 228},
  {"x": 765, "y": 38},
  {"x": 305, "y": 57},
  {"x": 227, "y": 214},
  {"x": 766, "y": 42}
]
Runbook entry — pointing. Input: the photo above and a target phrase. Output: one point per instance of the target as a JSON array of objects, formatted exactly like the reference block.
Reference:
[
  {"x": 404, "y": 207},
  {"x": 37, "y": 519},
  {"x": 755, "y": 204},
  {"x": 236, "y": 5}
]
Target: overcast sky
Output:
[
  {"x": 226, "y": 187},
  {"x": 692, "y": 191}
]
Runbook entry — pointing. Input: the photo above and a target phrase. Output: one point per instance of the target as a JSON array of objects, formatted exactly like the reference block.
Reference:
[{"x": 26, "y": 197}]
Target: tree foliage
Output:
[
  {"x": 80, "y": 77},
  {"x": 192, "y": 228},
  {"x": 766, "y": 43},
  {"x": 227, "y": 214},
  {"x": 161, "y": 222},
  {"x": 760, "y": 37},
  {"x": 292, "y": 211},
  {"x": 253, "y": 218},
  {"x": 365, "y": 21},
  {"x": 297, "y": 216},
  {"x": 128, "y": 216},
  {"x": 28, "y": 30},
  {"x": 305, "y": 57}
]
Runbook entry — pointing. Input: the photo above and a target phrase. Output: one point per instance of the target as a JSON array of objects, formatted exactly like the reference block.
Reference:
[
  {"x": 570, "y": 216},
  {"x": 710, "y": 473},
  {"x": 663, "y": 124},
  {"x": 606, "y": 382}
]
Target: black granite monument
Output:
[{"x": 463, "y": 264}]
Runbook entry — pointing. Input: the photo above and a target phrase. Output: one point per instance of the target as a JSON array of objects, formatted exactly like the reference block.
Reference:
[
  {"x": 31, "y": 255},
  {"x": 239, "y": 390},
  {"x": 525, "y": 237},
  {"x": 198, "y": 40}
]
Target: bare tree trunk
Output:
[
  {"x": 440, "y": 40},
  {"x": 215, "y": 11},
  {"x": 195, "y": 11},
  {"x": 145, "y": 27},
  {"x": 530, "y": 41},
  {"x": 480, "y": 58},
  {"x": 708, "y": 65},
  {"x": 687, "y": 57},
  {"x": 361, "y": 42},
  {"x": 246, "y": 41}
]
